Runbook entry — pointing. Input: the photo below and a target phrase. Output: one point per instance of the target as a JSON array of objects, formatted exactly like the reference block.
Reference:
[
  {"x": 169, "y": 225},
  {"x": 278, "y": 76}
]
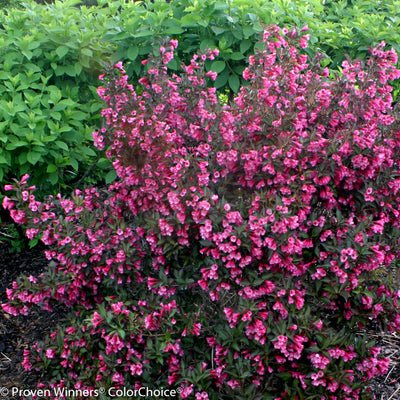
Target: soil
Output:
[{"x": 19, "y": 333}]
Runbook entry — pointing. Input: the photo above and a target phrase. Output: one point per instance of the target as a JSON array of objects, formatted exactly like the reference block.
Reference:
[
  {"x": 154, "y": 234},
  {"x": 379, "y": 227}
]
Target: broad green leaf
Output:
[
  {"x": 78, "y": 68},
  {"x": 207, "y": 44},
  {"x": 218, "y": 66},
  {"x": 70, "y": 69},
  {"x": 53, "y": 178},
  {"x": 33, "y": 157},
  {"x": 15, "y": 144},
  {"x": 61, "y": 145},
  {"x": 79, "y": 115},
  {"x": 110, "y": 177},
  {"x": 51, "y": 168},
  {"x": 234, "y": 82},
  {"x": 88, "y": 151},
  {"x": 245, "y": 45},
  {"x": 144, "y": 33},
  {"x": 133, "y": 52},
  {"x": 74, "y": 163},
  {"x": 236, "y": 56},
  {"x": 173, "y": 65},
  {"x": 62, "y": 51},
  {"x": 3, "y": 126},
  {"x": 87, "y": 52},
  {"x": 174, "y": 30},
  {"x": 248, "y": 31},
  {"x": 190, "y": 20},
  {"x": 217, "y": 30},
  {"x": 222, "y": 79}
]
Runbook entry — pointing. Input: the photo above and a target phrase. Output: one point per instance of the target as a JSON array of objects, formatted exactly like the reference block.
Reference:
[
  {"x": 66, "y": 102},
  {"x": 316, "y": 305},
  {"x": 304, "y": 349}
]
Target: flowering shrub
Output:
[{"x": 244, "y": 249}]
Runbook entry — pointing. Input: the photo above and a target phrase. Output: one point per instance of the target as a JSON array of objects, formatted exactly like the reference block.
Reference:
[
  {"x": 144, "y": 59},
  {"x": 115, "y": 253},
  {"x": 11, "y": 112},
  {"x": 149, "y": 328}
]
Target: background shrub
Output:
[
  {"x": 50, "y": 60},
  {"x": 244, "y": 249}
]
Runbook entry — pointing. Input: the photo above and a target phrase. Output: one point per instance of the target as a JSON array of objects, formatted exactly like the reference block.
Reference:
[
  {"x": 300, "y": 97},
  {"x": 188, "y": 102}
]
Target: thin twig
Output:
[
  {"x": 387, "y": 376},
  {"x": 9, "y": 359},
  {"x": 398, "y": 389},
  {"x": 5, "y": 234}
]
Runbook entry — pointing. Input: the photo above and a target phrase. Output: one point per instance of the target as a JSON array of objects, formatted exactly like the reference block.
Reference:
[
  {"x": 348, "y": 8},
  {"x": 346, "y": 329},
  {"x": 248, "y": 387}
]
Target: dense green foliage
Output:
[
  {"x": 338, "y": 28},
  {"x": 50, "y": 60}
]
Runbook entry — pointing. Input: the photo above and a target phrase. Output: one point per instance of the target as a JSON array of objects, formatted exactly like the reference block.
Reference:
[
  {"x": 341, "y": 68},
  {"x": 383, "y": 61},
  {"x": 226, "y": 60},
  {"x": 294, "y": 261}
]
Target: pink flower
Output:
[
  {"x": 50, "y": 353},
  {"x": 318, "y": 325},
  {"x": 136, "y": 369},
  {"x": 186, "y": 392},
  {"x": 24, "y": 179},
  {"x": 173, "y": 43},
  {"x": 119, "y": 65},
  {"x": 7, "y": 203}
]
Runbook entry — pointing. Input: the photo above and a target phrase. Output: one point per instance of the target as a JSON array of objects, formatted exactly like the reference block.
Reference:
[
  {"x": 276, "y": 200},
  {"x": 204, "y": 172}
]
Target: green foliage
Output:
[
  {"x": 49, "y": 65},
  {"x": 234, "y": 27}
]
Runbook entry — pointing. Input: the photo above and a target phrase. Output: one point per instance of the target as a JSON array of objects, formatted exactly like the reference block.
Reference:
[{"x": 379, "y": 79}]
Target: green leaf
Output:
[
  {"x": 207, "y": 44},
  {"x": 62, "y": 51},
  {"x": 190, "y": 20},
  {"x": 174, "y": 30},
  {"x": 144, "y": 33},
  {"x": 218, "y": 66},
  {"x": 234, "y": 83},
  {"x": 236, "y": 56},
  {"x": 15, "y": 144},
  {"x": 70, "y": 70},
  {"x": 33, "y": 157},
  {"x": 222, "y": 79},
  {"x": 217, "y": 30},
  {"x": 248, "y": 31},
  {"x": 61, "y": 145},
  {"x": 133, "y": 52},
  {"x": 87, "y": 151},
  {"x": 78, "y": 68},
  {"x": 74, "y": 163},
  {"x": 3, "y": 125},
  {"x": 110, "y": 177},
  {"x": 51, "y": 168},
  {"x": 79, "y": 115},
  {"x": 245, "y": 45},
  {"x": 53, "y": 178},
  {"x": 173, "y": 65},
  {"x": 87, "y": 52}
]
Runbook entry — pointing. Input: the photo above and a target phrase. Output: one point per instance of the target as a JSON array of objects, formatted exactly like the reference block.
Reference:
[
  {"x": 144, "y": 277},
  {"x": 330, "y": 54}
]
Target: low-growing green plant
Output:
[{"x": 245, "y": 247}]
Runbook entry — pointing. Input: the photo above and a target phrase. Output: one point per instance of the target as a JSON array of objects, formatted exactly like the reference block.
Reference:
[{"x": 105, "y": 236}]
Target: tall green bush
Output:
[{"x": 50, "y": 58}]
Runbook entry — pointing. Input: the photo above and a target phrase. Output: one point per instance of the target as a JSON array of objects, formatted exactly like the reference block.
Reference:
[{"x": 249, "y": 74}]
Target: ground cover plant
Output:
[{"x": 244, "y": 248}]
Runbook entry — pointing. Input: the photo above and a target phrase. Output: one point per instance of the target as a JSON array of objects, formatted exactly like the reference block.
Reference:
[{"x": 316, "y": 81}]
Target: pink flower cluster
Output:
[{"x": 241, "y": 244}]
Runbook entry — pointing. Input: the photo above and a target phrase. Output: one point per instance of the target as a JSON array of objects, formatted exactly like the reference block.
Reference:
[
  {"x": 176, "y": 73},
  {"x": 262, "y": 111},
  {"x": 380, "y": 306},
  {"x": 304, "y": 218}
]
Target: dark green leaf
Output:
[
  {"x": 218, "y": 66},
  {"x": 234, "y": 82}
]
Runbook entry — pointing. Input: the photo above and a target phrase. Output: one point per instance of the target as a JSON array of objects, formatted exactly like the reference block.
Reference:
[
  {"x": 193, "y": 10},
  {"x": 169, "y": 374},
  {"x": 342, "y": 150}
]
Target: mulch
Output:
[{"x": 20, "y": 333}]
